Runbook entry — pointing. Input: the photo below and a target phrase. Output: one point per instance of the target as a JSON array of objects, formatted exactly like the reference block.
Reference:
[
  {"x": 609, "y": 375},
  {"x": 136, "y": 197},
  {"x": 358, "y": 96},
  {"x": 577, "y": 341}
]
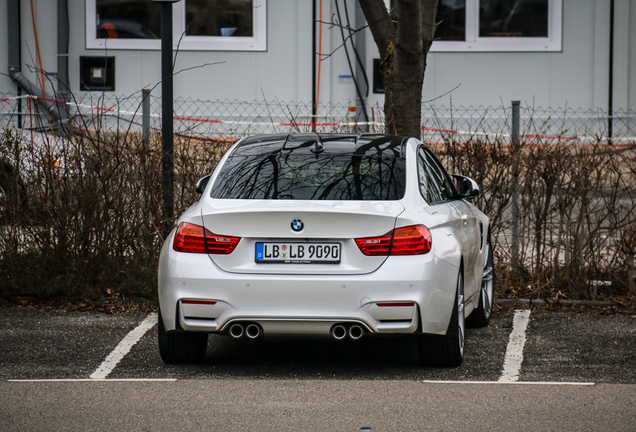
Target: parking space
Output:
[
  {"x": 561, "y": 347},
  {"x": 323, "y": 358},
  {"x": 580, "y": 347},
  {"x": 58, "y": 344}
]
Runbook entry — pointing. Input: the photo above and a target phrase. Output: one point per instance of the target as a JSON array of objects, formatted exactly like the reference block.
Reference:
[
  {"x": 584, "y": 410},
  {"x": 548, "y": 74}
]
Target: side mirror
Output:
[
  {"x": 467, "y": 188},
  {"x": 202, "y": 183}
]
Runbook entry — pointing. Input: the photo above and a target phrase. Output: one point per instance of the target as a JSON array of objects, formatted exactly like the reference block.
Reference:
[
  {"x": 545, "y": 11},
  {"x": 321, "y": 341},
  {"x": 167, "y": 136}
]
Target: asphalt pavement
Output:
[{"x": 296, "y": 383}]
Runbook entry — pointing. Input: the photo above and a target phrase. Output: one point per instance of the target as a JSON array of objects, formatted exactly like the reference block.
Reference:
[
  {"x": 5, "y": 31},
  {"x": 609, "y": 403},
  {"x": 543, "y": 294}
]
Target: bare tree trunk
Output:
[
  {"x": 403, "y": 89},
  {"x": 380, "y": 24},
  {"x": 403, "y": 54}
]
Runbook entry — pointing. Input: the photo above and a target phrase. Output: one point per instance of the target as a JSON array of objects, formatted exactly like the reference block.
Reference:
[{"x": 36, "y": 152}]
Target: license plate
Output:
[{"x": 298, "y": 253}]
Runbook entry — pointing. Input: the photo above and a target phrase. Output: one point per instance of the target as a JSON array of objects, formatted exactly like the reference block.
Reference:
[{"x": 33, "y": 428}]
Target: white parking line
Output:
[
  {"x": 554, "y": 383},
  {"x": 124, "y": 347},
  {"x": 96, "y": 380},
  {"x": 514, "y": 351}
]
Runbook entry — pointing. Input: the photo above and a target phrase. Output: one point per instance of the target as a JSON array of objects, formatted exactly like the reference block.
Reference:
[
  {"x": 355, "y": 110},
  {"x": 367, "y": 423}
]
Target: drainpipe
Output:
[
  {"x": 361, "y": 47},
  {"x": 610, "y": 96},
  {"x": 13, "y": 19},
  {"x": 313, "y": 65},
  {"x": 15, "y": 61},
  {"x": 63, "y": 89}
]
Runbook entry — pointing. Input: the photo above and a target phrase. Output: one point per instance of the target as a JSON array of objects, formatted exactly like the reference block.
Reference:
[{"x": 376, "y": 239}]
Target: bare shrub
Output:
[
  {"x": 80, "y": 214},
  {"x": 576, "y": 214},
  {"x": 89, "y": 224}
]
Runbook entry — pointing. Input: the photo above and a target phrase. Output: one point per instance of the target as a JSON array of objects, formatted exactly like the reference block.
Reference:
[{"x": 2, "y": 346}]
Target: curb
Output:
[{"x": 541, "y": 302}]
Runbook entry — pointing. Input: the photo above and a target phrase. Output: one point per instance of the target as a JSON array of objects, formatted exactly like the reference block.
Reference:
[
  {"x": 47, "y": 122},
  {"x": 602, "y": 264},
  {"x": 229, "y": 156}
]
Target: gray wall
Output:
[{"x": 576, "y": 77}]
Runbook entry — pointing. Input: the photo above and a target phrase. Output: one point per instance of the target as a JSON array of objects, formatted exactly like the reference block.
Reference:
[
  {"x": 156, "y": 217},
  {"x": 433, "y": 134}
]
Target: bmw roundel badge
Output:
[{"x": 297, "y": 225}]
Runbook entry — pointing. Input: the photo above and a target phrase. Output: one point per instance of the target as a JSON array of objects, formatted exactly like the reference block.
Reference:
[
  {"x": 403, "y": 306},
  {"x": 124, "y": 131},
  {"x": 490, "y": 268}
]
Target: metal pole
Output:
[
  {"x": 145, "y": 116},
  {"x": 145, "y": 138},
  {"x": 515, "y": 184},
  {"x": 19, "y": 107},
  {"x": 167, "y": 156},
  {"x": 63, "y": 85}
]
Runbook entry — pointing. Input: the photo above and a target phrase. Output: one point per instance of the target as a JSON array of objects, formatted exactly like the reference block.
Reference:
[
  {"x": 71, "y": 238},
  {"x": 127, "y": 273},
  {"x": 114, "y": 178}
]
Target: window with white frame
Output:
[
  {"x": 207, "y": 25},
  {"x": 497, "y": 25}
]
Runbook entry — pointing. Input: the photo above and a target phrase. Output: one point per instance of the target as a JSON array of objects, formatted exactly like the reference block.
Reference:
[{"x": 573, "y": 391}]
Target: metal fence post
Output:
[
  {"x": 145, "y": 115},
  {"x": 167, "y": 154},
  {"x": 515, "y": 184},
  {"x": 145, "y": 142},
  {"x": 19, "y": 107}
]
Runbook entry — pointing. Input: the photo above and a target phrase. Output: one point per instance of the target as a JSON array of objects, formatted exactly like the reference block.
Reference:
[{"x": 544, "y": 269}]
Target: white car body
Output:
[{"x": 201, "y": 292}]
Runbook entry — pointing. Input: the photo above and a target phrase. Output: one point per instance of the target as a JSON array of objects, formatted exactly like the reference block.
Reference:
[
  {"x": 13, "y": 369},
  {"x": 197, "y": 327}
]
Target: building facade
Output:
[{"x": 489, "y": 53}]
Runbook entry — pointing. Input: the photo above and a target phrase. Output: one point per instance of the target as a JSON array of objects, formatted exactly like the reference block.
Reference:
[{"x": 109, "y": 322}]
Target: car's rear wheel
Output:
[
  {"x": 181, "y": 347},
  {"x": 447, "y": 350},
  {"x": 480, "y": 317}
]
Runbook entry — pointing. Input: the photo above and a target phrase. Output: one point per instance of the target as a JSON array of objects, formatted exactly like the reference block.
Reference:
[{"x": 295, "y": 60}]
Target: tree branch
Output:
[{"x": 334, "y": 23}]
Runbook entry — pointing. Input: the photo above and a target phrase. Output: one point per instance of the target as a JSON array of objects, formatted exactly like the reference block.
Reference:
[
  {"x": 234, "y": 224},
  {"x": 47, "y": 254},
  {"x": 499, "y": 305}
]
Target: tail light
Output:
[
  {"x": 410, "y": 240},
  {"x": 197, "y": 239},
  {"x": 375, "y": 246}
]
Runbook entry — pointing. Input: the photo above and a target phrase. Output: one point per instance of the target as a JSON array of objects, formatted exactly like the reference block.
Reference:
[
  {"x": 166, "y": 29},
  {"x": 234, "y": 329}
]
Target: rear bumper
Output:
[{"x": 405, "y": 295}]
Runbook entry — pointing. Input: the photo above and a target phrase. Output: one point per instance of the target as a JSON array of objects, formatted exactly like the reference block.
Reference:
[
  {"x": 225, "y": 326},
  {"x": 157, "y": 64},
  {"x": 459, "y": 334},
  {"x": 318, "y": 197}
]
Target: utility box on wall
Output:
[{"x": 97, "y": 73}]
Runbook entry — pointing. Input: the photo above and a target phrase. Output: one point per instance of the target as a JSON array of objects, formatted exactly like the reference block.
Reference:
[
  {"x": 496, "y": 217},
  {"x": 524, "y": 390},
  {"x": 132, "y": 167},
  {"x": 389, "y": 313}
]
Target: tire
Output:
[
  {"x": 447, "y": 350},
  {"x": 181, "y": 347},
  {"x": 480, "y": 317}
]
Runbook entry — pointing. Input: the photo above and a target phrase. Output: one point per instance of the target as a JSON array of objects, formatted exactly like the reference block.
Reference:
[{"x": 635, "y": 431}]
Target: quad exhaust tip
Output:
[
  {"x": 237, "y": 330},
  {"x": 339, "y": 332},
  {"x": 354, "y": 331},
  {"x": 251, "y": 330}
]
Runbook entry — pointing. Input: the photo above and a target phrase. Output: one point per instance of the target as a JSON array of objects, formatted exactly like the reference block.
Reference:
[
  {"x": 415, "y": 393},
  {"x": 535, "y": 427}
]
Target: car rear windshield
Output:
[{"x": 308, "y": 176}]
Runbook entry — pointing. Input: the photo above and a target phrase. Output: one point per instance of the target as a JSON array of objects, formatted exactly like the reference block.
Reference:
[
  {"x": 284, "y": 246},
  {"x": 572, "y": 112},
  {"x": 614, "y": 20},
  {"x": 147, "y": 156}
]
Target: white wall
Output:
[
  {"x": 46, "y": 25},
  {"x": 576, "y": 77},
  {"x": 631, "y": 73}
]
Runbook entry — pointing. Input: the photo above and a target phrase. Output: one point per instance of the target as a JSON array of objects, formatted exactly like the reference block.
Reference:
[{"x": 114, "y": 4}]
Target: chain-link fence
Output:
[
  {"x": 61, "y": 222},
  {"x": 547, "y": 125},
  {"x": 231, "y": 120}
]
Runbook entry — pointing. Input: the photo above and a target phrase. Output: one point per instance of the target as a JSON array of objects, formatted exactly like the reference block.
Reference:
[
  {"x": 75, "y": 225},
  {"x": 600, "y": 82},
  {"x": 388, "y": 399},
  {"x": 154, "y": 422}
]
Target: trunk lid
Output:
[{"x": 324, "y": 222}]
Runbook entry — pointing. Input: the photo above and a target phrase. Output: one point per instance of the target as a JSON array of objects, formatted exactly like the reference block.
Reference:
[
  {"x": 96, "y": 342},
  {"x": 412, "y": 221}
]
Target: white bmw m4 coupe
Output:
[{"x": 327, "y": 234}]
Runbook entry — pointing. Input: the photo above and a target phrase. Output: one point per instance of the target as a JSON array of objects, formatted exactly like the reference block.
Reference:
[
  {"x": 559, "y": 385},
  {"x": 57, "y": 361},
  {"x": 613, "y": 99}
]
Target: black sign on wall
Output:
[
  {"x": 378, "y": 76},
  {"x": 97, "y": 73}
]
